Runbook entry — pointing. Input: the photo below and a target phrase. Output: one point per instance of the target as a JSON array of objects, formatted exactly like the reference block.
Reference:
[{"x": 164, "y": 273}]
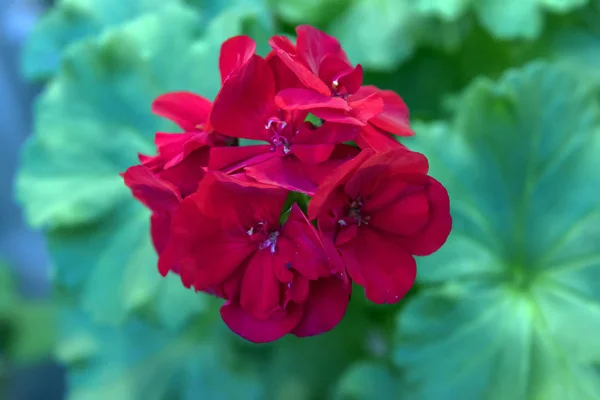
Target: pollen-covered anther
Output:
[{"x": 270, "y": 242}]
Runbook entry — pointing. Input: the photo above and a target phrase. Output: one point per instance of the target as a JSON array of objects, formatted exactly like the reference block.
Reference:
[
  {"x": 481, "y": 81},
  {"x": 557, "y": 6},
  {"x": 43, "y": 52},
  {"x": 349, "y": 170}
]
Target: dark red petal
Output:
[
  {"x": 186, "y": 109},
  {"x": 237, "y": 204},
  {"x": 328, "y": 133},
  {"x": 332, "y": 67},
  {"x": 260, "y": 290},
  {"x": 246, "y": 102},
  {"x": 229, "y": 159},
  {"x": 325, "y": 307},
  {"x": 285, "y": 78},
  {"x": 206, "y": 249},
  {"x": 235, "y": 52},
  {"x": 320, "y": 202},
  {"x": 383, "y": 267},
  {"x": 381, "y": 166},
  {"x": 160, "y": 230},
  {"x": 373, "y": 138},
  {"x": 307, "y": 99},
  {"x": 259, "y": 331},
  {"x": 298, "y": 290},
  {"x": 307, "y": 256},
  {"x": 351, "y": 80},
  {"x": 155, "y": 193},
  {"x": 312, "y": 45},
  {"x": 312, "y": 153},
  {"x": 307, "y": 77},
  {"x": 366, "y": 108},
  {"x": 407, "y": 216},
  {"x": 337, "y": 116},
  {"x": 435, "y": 233},
  {"x": 285, "y": 172},
  {"x": 188, "y": 173},
  {"x": 395, "y": 117}
]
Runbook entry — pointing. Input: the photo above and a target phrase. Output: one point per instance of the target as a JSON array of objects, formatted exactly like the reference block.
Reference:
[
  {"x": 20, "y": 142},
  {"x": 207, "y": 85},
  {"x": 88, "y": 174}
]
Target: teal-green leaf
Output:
[
  {"x": 377, "y": 33},
  {"x": 368, "y": 381},
  {"x": 73, "y": 20},
  {"x": 509, "y": 305},
  {"x": 90, "y": 123},
  {"x": 139, "y": 361}
]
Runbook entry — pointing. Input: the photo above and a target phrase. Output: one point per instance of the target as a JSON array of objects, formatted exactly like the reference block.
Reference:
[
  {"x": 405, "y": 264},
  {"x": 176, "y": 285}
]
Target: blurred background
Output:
[{"x": 83, "y": 313}]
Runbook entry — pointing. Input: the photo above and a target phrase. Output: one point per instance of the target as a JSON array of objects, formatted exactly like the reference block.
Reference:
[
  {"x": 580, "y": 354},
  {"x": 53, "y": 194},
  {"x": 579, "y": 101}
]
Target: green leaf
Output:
[
  {"x": 21, "y": 339},
  {"x": 368, "y": 381},
  {"x": 377, "y": 33},
  {"x": 307, "y": 368},
  {"x": 505, "y": 305},
  {"x": 139, "y": 361},
  {"x": 313, "y": 12},
  {"x": 73, "y": 20},
  {"x": 90, "y": 123}
]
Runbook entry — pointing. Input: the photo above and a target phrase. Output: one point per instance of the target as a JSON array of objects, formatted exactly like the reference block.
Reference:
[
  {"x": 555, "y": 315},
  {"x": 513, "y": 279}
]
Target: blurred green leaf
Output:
[
  {"x": 139, "y": 361},
  {"x": 70, "y": 21},
  {"x": 307, "y": 368},
  {"x": 26, "y": 327},
  {"x": 508, "y": 305},
  {"x": 313, "y": 12},
  {"x": 368, "y": 381},
  {"x": 91, "y": 121},
  {"x": 73, "y": 20}
]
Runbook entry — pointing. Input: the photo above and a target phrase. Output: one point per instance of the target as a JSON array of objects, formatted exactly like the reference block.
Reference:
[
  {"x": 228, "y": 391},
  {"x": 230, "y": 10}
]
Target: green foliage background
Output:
[{"x": 504, "y": 97}]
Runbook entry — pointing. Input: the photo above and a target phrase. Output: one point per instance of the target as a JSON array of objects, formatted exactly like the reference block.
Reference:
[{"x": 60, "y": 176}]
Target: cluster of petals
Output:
[{"x": 288, "y": 188}]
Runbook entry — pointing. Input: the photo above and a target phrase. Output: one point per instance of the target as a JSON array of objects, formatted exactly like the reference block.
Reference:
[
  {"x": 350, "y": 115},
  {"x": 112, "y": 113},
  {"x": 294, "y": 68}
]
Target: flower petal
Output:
[
  {"x": 238, "y": 204},
  {"x": 306, "y": 76},
  {"x": 312, "y": 153},
  {"x": 383, "y": 267},
  {"x": 155, "y": 193},
  {"x": 366, "y": 108},
  {"x": 235, "y": 52},
  {"x": 259, "y": 331},
  {"x": 395, "y": 117},
  {"x": 333, "y": 67},
  {"x": 306, "y": 254},
  {"x": 313, "y": 45},
  {"x": 205, "y": 250},
  {"x": 186, "y": 109},
  {"x": 325, "y": 306},
  {"x": 406, "y": 216},
  {"x": 285, "y": 172},
  {"x": 261, "y": 290},
  {"x": 337, "y": 116},
  {"x": 230, "y": 159},
  {"x": 307, "y": 99},
  {"x": 319, "y": 204},
  {"x": 373, "y": 138},
  {"x": 439, "y": 225},
  {"x": 245, "y": 103},
  {"x": 351, "y": 80}
]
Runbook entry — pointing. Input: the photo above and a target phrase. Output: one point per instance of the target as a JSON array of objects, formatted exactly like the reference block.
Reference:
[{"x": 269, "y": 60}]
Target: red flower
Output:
[
  {"x": 379, "y": 210},
  {"x": 162, "y": 181},
  {"x": 276, "y": 278},
  {"x": 322, "y": 66},
  {"x": 296, "y": 154}
]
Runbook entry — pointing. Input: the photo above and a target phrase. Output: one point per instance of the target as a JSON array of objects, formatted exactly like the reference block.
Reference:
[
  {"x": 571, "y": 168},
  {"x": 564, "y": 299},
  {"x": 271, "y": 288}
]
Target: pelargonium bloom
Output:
[
  {"x": 322, "y": 66},
  {"x": 296, "y": 154},
  {"x": 277, "y": 278},
  {"x": 379, "y": 210},
  {"x": 163, "y": 180}
]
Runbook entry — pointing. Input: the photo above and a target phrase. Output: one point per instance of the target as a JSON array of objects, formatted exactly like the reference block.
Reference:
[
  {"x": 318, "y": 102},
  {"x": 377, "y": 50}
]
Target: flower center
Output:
[
  {"x": 266, "y": 239},
  {"x": 279, "y": 140},
  {"x": 354, "y": 214}
]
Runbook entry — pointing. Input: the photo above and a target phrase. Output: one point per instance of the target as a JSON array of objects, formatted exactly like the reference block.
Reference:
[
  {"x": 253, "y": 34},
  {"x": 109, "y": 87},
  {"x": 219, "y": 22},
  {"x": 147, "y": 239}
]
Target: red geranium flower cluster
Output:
[{"x": 281, "y": 229}]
